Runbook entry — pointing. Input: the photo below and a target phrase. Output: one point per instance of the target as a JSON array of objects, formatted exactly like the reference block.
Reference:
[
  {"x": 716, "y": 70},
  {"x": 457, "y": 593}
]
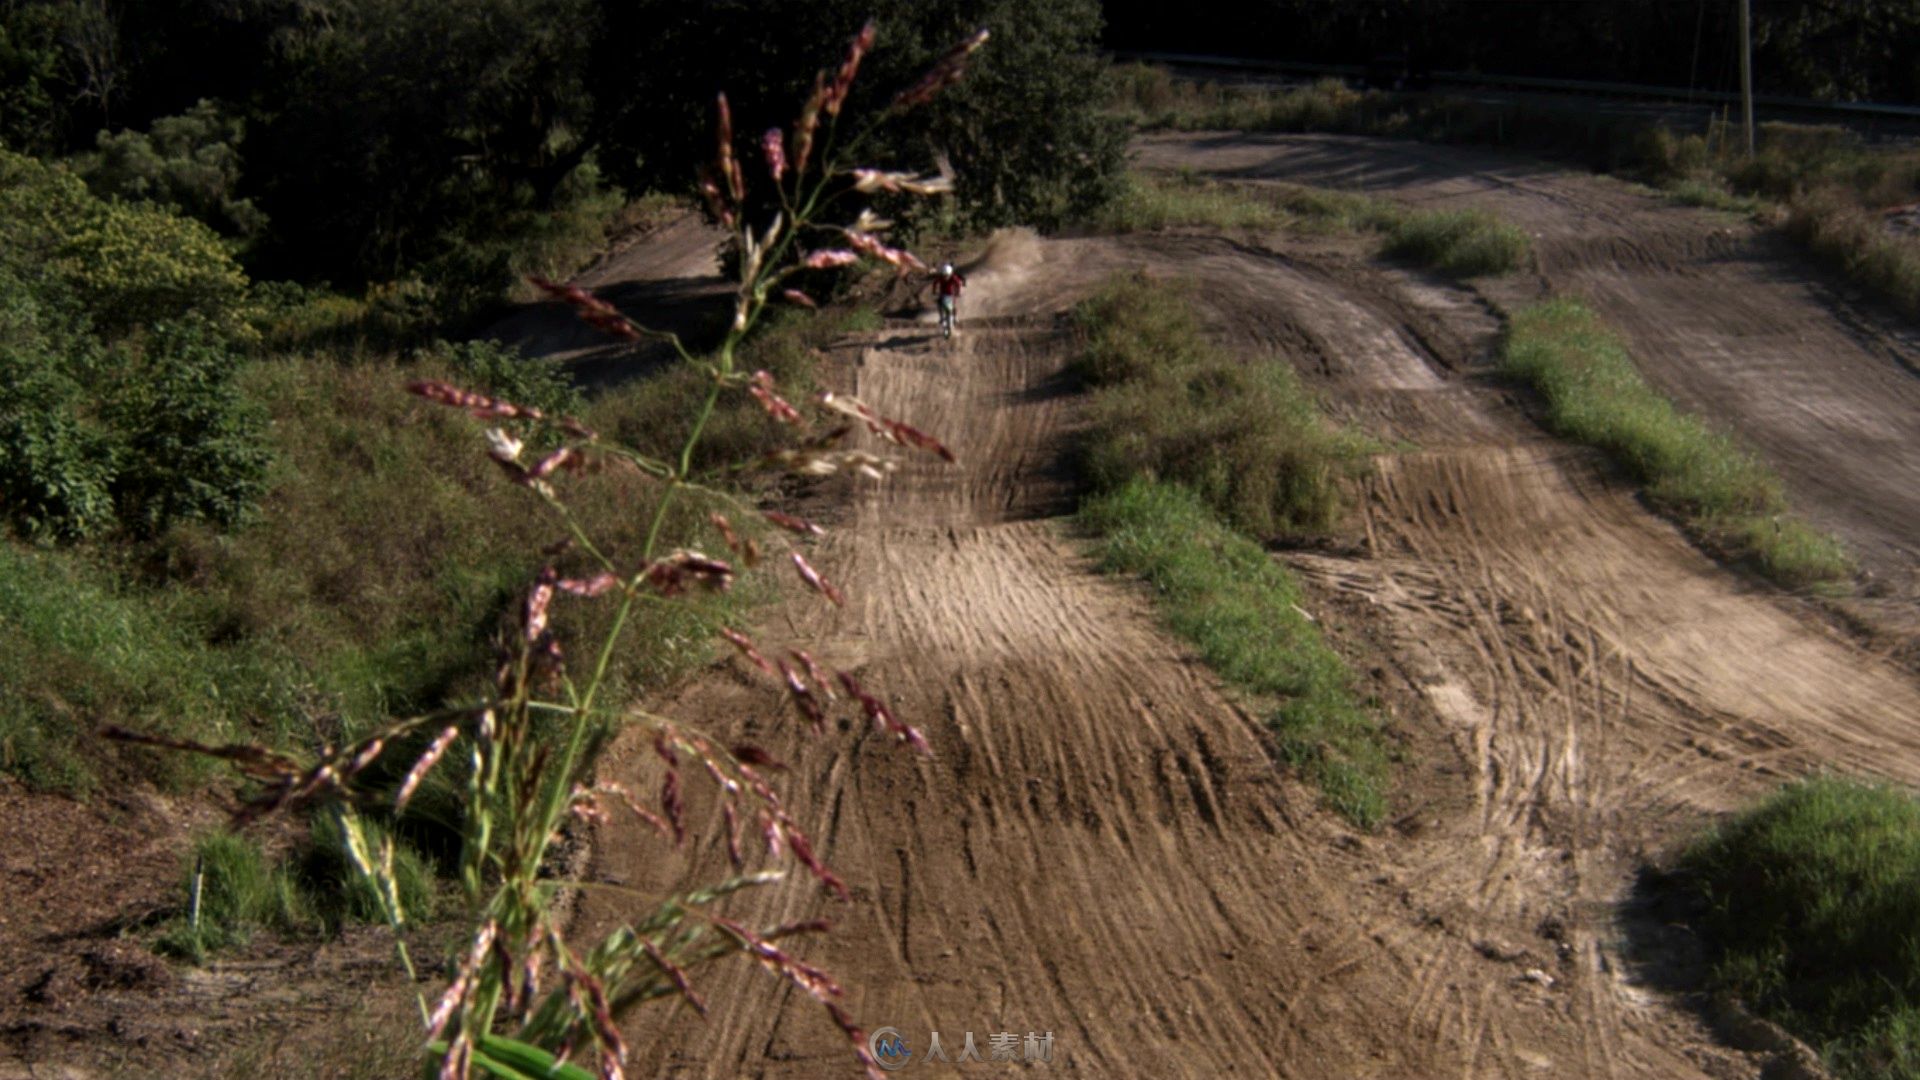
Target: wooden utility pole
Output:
[{"x": 1746, "y": 71}]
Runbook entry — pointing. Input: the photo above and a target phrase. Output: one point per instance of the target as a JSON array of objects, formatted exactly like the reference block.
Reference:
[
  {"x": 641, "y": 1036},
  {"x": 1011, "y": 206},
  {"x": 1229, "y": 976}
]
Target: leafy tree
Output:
[
  {"x": 418, "y": 132},
  {"x": 1860, "y": 50},
  {"x": 128, "y": 264},
  {"x": 31, "y": 116},
  {"x": 190, "y": 163},
  {"x": 1024, "y": 130},
  {"x": 1021, "y": 130},
  {"x": 117, "y": 324}
]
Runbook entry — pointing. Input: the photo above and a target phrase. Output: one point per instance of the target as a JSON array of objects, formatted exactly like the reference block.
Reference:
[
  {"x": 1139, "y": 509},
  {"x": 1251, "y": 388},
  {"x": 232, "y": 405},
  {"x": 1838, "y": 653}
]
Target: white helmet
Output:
[{"x": 946, "y": 269}]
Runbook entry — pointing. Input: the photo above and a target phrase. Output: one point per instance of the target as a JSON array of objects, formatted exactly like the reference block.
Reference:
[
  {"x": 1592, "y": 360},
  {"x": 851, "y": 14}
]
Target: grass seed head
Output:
[{"x": 774, "y": 145}]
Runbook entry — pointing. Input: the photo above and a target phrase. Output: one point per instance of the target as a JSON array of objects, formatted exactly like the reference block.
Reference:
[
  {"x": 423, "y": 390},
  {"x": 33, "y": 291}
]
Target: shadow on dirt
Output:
[{"x": 1662, "y": 953}]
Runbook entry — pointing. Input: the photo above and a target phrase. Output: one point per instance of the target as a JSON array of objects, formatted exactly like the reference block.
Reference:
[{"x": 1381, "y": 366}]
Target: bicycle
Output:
[{"x": 949, "y": 313}]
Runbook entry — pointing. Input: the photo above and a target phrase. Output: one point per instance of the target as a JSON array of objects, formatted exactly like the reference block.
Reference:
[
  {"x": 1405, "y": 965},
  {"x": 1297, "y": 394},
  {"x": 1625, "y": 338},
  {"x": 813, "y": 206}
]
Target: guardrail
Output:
[{"x": 1526, "y": 82}]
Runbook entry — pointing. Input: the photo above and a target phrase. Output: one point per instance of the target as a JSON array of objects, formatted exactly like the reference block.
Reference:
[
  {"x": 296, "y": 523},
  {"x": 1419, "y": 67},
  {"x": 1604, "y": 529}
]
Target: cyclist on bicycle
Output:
[{"x": 947, "y": 283}]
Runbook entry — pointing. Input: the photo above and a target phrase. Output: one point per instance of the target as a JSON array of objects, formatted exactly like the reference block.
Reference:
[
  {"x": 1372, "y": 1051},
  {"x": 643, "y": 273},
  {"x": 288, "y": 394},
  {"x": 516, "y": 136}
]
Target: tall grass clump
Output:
[
  {"x": 1595, "y": 395},
  {"x": 519, "y": 749},
  {"x": 233, "y": 889},
  {"x": 1853, "y": 240},
  {"x": 1221, "y": 591},
  {"x": 1810, "y": 900},
  {"x": 1245, "y": 436},
  {"x": 1191, "y": 453},
  {"x": 1463, "y": 243}
]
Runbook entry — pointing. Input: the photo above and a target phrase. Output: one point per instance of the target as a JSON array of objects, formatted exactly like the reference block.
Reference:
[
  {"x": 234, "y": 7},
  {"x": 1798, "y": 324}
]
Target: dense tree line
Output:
[
  {"x": 1831, "y": 49},
  {"x": 355, "y": 140}
]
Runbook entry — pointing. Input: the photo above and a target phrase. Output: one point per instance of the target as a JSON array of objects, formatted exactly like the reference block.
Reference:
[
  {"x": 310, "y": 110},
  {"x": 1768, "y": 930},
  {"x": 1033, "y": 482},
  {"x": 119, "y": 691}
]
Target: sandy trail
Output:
[{"x": 1101, "y": 846}]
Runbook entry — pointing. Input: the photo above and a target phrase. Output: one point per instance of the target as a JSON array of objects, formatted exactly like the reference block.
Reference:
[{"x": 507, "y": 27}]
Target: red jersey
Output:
[{"x": 949, "y": 285}]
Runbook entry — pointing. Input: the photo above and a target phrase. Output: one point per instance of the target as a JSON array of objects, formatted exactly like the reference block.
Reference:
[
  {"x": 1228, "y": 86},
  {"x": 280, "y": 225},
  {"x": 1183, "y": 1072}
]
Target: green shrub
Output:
[
  {"x": 146, "y": 434},
  {"x": 192, "y": 447},
  {"x": 189, "y": 163},
  {"x": 116, "y": 360},
  {"x": 1809, "y": 904},
  {"x": 503, "y": 372},
  {"x": 56, "y": 465}
]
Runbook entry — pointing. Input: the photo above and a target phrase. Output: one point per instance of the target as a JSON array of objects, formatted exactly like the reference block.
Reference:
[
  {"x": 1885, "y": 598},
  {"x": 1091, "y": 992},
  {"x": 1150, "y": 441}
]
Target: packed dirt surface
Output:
[
  {"x": 1726, "y": 318},
  {"x": 1102, "y": 845}
]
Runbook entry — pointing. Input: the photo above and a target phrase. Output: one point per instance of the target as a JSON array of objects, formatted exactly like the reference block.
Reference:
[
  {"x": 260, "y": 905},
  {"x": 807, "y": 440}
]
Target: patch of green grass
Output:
[
  {"x": 1189, "y": 451},
  {"x": 1713, "y": 196},
  {"x": 1226, "y": 595},
  {"x": 75, "y": 655},
  {"x": 311, "y": 889},
  {"x": 1168, "y": 405},
  {"x": 651, "y": 414},
  {"x": 1595, "y": 395},
  {"x": 241, "y": 890},
  {"x": 1148, "y": 202},
  {"x": 1810, "y": 903},
  {"x": 1463, "y": 243}
]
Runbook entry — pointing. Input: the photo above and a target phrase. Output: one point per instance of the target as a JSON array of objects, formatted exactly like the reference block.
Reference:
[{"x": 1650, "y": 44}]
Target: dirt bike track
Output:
[{"x": 1102, "y": 845}]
